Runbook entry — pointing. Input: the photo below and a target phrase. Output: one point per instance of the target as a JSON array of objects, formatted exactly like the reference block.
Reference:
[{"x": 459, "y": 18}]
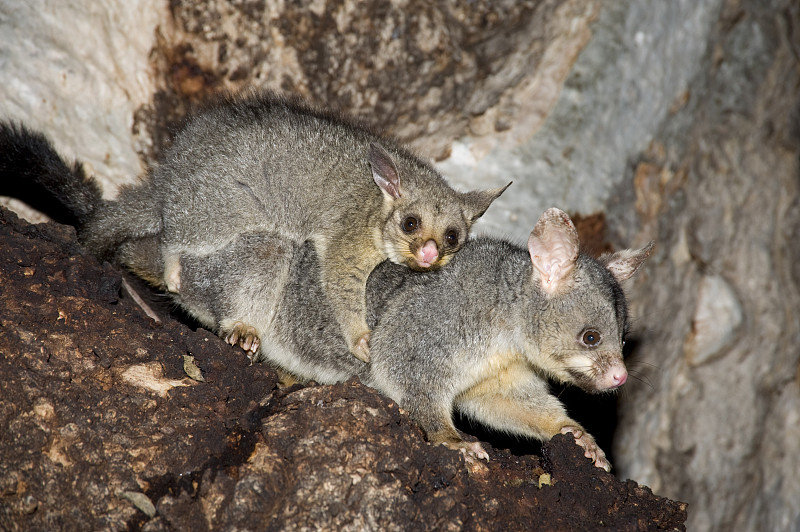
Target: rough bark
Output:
[
  {"x": 675, "y": 121},
  {"x": 719, "y": 322}
]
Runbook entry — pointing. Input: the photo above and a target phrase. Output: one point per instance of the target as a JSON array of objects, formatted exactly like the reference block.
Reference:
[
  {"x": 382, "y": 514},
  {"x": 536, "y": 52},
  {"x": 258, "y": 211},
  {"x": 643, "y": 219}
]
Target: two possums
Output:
[{"x": 266, "y": 221}]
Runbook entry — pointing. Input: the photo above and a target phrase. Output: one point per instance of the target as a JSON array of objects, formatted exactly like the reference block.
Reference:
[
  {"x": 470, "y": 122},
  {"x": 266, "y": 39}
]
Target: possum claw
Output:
[
  {"x": 245, "y": 337},
  {"x": 590, "y": 447},
  {"x": 172, "y": 276},
  {"x": 361, "y": 348},
  {"x": 471, "y": 451}
]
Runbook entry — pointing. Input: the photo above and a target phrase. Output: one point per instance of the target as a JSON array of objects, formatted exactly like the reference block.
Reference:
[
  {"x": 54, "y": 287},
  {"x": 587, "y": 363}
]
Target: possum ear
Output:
[
  {"x": 384, "y": 171},
  {"x": 624, "y": 264},
  {"x": 477, "y": 201},
  {"x": 554, "y": 246}
]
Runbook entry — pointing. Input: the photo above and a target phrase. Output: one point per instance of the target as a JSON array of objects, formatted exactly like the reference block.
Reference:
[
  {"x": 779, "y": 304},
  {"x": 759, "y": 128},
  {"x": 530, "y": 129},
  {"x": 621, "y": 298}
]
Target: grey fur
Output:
[{"x": 259, "y": 163}]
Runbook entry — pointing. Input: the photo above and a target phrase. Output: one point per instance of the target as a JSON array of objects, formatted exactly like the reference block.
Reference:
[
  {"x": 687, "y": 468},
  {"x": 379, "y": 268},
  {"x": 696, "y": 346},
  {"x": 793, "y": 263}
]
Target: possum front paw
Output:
[
  {"x": 591, "y": 450},
  {"x": 470, "y": 450},
  {"x": 172, "y": 275},
  {"x": 360, "y": 349},
  {"x": 245, "y": 337}
]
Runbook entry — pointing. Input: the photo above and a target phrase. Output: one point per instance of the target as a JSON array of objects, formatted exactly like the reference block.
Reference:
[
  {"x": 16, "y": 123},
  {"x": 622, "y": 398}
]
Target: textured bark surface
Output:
[
  {"x": 675, "y": 121},
  {"x": 720, "y": 306},
  {"x": 426, "y": 71},
  {"x": 103, "y": 429}
]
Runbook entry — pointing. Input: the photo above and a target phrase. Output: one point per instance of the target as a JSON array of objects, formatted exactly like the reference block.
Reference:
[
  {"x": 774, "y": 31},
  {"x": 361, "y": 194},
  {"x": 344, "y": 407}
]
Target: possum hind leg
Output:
[
  {"x": 236, "y": 290},
  {"x": 433, "y": 412}
]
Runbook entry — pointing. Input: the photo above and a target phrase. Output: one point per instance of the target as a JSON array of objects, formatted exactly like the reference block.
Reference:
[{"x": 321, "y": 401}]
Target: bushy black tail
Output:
[{"x": 31, "y": 170}]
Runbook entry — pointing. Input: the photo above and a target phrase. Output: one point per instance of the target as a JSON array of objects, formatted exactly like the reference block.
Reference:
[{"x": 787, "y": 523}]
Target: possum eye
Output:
[
  {"x": 590, "y": 338},
  {"x": 451, "y": 237},
  {"x": 410, "y": 224}
]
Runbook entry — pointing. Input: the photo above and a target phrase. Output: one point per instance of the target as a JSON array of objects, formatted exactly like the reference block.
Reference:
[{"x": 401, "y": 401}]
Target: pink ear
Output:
[
  {"x": 553, "y": 246},
  {"x": 384, "y": 171}
]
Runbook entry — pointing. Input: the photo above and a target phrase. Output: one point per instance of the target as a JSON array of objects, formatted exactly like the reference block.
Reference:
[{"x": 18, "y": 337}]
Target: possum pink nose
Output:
[
  {"x": 614, "y": 377},
  {"x": 427, "y": 254}
]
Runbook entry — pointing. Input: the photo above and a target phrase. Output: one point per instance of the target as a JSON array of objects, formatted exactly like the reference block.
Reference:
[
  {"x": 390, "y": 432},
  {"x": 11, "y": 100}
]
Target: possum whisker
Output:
[
  {"x": 632, "y": 373},
  {"x": 635, "y": 363},
  {"x": 580, "y": 367},
  {"x": 643, "y": 380}
]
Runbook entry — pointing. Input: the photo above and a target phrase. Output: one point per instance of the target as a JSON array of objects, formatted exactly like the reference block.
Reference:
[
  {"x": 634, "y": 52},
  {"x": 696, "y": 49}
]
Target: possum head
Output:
[
  {"x": 581, "y": 318},
  {"x": 426, "y": 220}
]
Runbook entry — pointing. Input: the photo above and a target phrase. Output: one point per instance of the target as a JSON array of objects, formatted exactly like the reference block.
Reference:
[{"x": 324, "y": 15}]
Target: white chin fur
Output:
[{"x": 395, "y": 256}]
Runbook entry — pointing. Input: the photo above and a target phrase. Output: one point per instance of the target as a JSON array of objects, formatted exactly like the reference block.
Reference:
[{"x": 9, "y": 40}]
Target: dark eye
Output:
[
  {"x": 590, "y": 338},
  {"x": 451, "y": 237},
  {"x": 410, "y": 224}
]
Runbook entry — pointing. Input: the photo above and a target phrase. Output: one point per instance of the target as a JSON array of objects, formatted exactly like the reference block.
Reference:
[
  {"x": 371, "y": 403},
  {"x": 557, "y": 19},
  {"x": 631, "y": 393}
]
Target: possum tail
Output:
[
  {"x": 31, "y": 170},
  {"x": 125, "y": 231}
]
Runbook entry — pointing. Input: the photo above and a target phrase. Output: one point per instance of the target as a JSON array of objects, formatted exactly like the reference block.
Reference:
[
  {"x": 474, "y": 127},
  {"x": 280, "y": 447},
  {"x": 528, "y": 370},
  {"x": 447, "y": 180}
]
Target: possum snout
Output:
[
  {"x": 427, "y": 254},
  {"x": 598, "y": 372},
  {"x": 612, "y": 376}
]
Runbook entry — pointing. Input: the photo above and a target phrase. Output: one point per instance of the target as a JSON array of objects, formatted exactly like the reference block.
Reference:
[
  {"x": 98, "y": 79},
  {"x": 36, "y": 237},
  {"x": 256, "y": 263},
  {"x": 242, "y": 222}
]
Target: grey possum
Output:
[
  {"x": 481, "y": 336},
  {"x": 258, "y": 163}
]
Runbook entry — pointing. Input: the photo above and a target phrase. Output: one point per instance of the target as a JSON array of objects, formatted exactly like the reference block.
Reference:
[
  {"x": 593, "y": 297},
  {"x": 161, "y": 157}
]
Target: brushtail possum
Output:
[
  {"x": 261, "y": 163},
  {"x": 480, "y": 336}
]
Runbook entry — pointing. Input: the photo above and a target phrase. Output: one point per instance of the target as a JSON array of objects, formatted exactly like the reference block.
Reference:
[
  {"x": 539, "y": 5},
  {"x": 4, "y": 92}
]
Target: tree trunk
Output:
[{"x": 673, "y": 121}]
